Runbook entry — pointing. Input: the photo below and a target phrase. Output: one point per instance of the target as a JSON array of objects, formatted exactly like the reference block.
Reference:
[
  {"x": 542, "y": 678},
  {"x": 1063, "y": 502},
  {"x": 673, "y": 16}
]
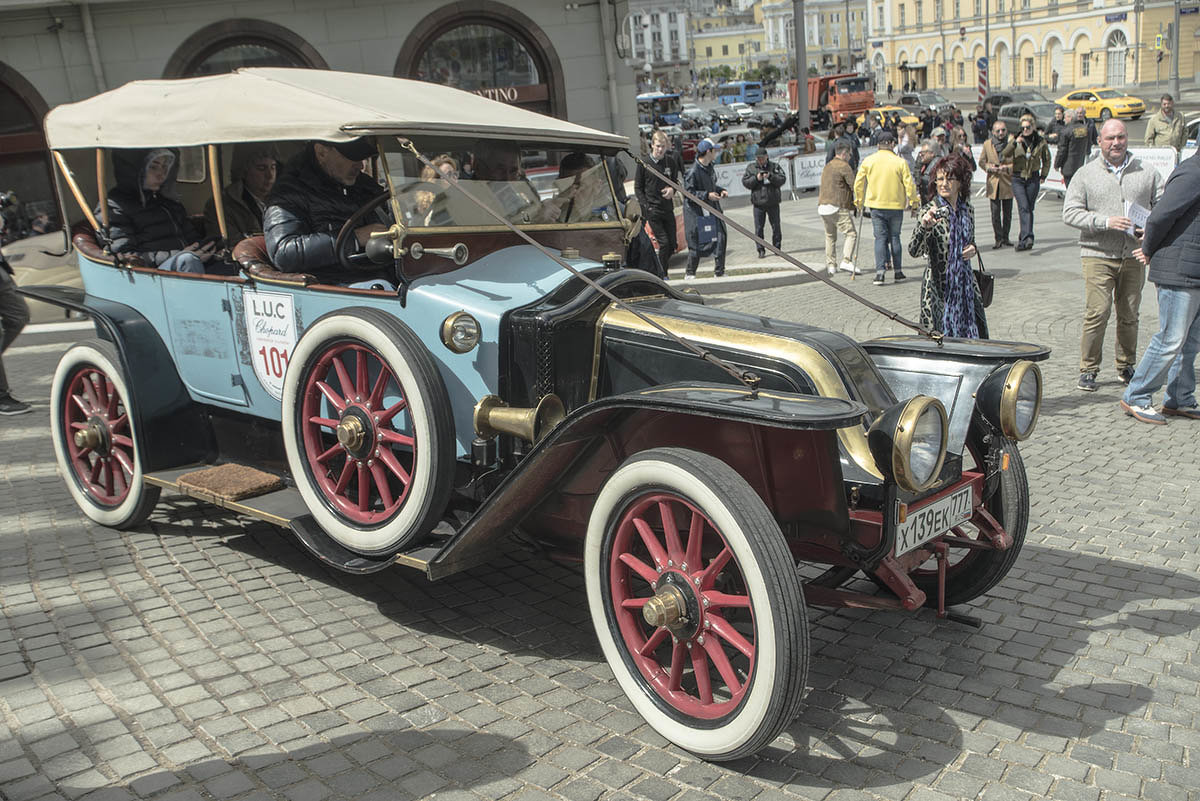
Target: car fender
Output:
[
  {"x": 762, "y": 435},
  {"x": 172, "y": 429}
]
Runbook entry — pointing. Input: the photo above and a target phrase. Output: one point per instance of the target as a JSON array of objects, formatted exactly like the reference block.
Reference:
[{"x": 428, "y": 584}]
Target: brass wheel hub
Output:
[
  {"x": 89, "y": 437},
  {"x": 668, "y": 608},
  {"x": 351, "y": 433}
]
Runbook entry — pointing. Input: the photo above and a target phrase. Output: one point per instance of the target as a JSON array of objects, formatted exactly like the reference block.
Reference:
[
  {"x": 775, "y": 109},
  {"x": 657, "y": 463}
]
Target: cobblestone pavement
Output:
[{"x": 204, "y": 656}]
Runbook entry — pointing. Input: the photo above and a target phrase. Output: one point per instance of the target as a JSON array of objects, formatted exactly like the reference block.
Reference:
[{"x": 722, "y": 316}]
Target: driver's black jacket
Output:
[{"x": 306, "y": 210}]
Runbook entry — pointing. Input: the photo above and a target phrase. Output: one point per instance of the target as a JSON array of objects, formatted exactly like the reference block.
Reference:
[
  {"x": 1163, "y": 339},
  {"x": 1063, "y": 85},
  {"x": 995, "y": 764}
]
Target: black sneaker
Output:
[
  {"x": 10, "y": 405},
  {"x": 899, "y": 276},
  {"x": 1125, "y": 375},
  {"x": 1087, "y": 382},
  {"x": 880, "y": 278}
]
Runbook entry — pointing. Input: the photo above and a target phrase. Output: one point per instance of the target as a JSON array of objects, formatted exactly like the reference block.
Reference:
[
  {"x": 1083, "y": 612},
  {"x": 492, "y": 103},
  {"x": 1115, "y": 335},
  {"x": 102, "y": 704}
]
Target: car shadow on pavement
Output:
[
  {"x": 406, "y": 763},
  {"x": 895, "y": 694},
  {"x": 892, "y": 693}
]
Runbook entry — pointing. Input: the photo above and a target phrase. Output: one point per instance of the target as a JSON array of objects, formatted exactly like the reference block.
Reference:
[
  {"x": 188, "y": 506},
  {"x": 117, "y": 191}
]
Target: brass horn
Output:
[{"x": 493, "y": 416}]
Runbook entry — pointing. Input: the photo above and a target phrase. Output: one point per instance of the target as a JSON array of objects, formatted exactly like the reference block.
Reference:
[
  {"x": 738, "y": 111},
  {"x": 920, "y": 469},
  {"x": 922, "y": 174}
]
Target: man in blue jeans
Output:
[
  {"x": 885, "y": 185},
  {"x": 1171, "y": 246}
]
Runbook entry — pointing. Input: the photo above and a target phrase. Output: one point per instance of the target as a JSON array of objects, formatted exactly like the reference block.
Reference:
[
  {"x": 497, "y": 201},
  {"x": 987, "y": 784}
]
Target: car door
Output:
[
  {"x": 202, "y": 337},
  {"x": 1091, "y": 105}
]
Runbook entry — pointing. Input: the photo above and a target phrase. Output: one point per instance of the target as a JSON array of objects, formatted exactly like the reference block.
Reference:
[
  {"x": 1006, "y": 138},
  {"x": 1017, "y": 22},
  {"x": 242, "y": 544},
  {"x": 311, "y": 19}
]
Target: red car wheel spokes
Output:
[
  {"x": 358, "y": 441},
  {"x": 98, "y": 439},
  {"x": 699, "y": 656}
]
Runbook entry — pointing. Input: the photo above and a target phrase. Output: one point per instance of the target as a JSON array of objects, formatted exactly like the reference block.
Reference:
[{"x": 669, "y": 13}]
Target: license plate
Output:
[{"x": 933, "y": 520}]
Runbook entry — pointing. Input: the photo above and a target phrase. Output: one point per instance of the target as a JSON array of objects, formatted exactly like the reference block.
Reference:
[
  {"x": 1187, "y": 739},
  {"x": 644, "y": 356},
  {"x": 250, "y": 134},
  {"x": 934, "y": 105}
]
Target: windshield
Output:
[
  {"x": 933, "y": 97},
  {"x": 1043, "y": 111},
  {"x": 527, "y": 185},
  {"x": 1109, "y": 94},
  {"x": 849, "y": 85}
]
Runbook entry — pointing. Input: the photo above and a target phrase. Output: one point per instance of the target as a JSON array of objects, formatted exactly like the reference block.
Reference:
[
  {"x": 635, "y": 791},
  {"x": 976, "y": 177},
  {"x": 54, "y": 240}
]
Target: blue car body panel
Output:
[{"x": 203, "y": 324}]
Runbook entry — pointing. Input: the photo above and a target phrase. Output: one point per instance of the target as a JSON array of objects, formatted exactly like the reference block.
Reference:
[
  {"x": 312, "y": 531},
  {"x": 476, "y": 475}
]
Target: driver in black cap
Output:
[{"x": 319, "y": 190}]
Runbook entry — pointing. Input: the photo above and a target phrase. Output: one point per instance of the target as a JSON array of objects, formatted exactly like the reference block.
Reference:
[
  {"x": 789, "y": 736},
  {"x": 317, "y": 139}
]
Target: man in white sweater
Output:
[{"x": 1095, "y": 204}]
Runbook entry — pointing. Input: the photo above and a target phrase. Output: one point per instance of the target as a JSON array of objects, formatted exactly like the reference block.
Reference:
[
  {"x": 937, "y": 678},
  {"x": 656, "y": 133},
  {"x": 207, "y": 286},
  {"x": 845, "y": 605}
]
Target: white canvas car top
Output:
[{"x": 270, "y": 104}]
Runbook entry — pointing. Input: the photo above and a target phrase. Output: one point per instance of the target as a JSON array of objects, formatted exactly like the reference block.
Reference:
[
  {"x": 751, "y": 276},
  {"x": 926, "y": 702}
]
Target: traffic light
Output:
[{"x": 1160, "y": 55}]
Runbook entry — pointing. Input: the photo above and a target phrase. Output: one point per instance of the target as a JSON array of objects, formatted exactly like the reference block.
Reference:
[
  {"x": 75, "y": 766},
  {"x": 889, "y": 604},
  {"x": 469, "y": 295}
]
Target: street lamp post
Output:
[{"x": 801, "y": 62}]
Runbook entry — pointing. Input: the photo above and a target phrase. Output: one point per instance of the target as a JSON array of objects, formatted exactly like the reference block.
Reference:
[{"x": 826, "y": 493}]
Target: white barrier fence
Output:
[{"x": 804, "y": 172}]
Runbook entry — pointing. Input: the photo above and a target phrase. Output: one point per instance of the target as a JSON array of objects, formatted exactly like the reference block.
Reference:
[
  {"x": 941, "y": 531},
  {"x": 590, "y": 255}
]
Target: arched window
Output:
[
  {"x": 24, "y": 162},
  {"x": 490, "y": 49},
  {"x": 231, "y": 44}
]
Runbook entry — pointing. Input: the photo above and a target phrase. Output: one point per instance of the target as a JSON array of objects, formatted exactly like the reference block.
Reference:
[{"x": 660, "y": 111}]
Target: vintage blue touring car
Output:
[{"x": 500, "y": 372}]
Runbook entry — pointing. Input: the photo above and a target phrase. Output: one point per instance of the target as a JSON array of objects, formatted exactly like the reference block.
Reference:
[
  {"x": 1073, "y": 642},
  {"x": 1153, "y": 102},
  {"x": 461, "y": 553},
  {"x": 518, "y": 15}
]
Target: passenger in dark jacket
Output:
[
  {"x": 144, "y": 218},
  {"x": 319, "y": 190},
  {"x": 656, "y": 198},
  {"x": 1074, "y": 146},
  {"x": 1171, "y": 246},
  {"x": 763, "y": 178},
  {"x": 701, "y": 181},
  {"x": 253, "y": 169}
]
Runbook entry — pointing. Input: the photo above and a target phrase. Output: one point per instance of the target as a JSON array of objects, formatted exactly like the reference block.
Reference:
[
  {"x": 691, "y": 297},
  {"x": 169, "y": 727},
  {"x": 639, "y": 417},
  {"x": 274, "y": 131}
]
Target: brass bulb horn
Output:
[{"x": 493, "y": 416}]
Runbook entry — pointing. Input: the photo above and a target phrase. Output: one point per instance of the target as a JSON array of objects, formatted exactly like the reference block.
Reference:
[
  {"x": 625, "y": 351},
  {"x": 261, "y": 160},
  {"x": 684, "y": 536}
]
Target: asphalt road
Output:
[{"x": 205, "y": 656}]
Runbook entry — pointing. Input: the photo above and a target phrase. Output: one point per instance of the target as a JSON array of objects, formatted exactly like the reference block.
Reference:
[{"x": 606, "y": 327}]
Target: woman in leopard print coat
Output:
[{"x": 950, "y": 299}]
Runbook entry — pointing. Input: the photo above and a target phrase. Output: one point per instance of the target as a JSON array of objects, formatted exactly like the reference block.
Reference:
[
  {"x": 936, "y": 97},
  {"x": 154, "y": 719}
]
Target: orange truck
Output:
[{"x": 835, "y": 98}]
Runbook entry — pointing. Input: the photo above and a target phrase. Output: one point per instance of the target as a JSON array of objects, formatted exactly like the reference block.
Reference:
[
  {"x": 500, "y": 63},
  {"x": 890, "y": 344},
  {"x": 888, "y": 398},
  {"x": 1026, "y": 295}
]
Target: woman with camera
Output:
[{"x": 945, "y": 235}]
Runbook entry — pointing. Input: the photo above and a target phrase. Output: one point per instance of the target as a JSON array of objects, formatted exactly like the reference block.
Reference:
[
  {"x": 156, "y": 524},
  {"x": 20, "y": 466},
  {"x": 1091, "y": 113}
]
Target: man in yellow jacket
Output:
[{"x": 885, "y": 186}]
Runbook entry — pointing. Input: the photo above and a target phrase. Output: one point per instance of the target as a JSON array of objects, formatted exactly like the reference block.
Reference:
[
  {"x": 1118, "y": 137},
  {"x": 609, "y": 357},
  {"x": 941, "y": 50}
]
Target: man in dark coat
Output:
[
  {"x": 320, "y": 189},
  {"x": 701, "y": 181},
  {"x": 656, "y": 198},
  {"x": 144, "y": 218},
  {"x": 841, "y": 134},
  {"x": 763, "y": 178},
  {"x": 1074, "y": 146},
  {"x": 14, "y": 314},
  {"x": 1171, "y": 246}
]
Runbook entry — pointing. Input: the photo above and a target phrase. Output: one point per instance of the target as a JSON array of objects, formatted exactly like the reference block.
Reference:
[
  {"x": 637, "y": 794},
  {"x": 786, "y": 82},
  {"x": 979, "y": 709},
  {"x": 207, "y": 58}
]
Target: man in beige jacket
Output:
[
  {"x": 835, "y": 203},
  {"x": 1165, "y": 127},
  {"x": 999, "y": 183}
]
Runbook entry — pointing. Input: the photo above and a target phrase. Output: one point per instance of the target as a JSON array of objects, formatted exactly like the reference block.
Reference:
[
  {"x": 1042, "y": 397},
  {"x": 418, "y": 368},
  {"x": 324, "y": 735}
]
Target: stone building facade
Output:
[
  {"x": 544, "y": 55},
  {"x": 1052, "y": 45}
]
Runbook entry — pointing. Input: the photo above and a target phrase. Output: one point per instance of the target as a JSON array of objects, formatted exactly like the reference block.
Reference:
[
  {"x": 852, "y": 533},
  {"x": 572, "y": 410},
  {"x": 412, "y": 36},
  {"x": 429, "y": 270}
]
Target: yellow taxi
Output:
[
  {"x": 1104, "y": 103},
  {"x": 906, "y": 116}
]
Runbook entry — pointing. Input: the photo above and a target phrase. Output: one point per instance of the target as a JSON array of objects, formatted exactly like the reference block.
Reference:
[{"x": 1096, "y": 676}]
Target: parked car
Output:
[
  {"x": 916, "y": 102},
  {"x": 1104, "y": 103},
  {"x": 1000, "y": 99},
  {"x": 501, "y": 373},
  {"x": 1043, "y": 114},
  {"x": 906, "y": 117},
  {"x": 727, "y": 115},
  {"x": 1193, "y": 129},
  {"x": 743, "y": 110},
  {"x": 697, "y": 118}
]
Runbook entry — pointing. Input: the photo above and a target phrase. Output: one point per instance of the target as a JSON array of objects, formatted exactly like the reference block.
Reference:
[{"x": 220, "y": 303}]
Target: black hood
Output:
[{"x": 129, "y": 172}]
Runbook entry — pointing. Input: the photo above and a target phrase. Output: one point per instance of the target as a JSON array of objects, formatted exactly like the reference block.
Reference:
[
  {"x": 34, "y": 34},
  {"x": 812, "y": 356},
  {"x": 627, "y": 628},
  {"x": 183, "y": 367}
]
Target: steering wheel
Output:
[{"x": 356, "y": 261}]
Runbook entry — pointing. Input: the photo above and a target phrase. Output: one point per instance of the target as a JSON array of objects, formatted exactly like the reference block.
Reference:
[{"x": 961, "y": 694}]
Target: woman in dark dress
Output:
[{"x": 950, "y": 299}]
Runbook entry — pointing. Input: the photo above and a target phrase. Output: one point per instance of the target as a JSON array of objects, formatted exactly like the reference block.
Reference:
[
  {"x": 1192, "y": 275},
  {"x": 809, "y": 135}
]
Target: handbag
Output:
[
  {"x": 986, "y": 281},
  {"x": 706, "y": 234}
]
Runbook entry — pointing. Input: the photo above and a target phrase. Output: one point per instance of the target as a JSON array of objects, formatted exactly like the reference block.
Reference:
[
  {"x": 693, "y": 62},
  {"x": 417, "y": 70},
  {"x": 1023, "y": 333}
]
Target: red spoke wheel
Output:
[
  {"x": 971, "y": 572},
  {"x": 367, "y": 427},
  {"x": 697, "y": 602},
  {"x": 95, "y": 443}
]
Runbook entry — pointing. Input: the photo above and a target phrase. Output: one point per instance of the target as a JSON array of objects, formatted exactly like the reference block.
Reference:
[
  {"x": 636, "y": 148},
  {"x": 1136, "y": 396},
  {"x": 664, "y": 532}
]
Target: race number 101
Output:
[{"x": 274, "y": 361}]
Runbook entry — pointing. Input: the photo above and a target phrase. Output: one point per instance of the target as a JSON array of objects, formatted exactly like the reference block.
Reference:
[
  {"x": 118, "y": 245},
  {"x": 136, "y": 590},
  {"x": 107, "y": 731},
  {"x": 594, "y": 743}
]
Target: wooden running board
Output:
[{"x": 285, "y": 508}]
